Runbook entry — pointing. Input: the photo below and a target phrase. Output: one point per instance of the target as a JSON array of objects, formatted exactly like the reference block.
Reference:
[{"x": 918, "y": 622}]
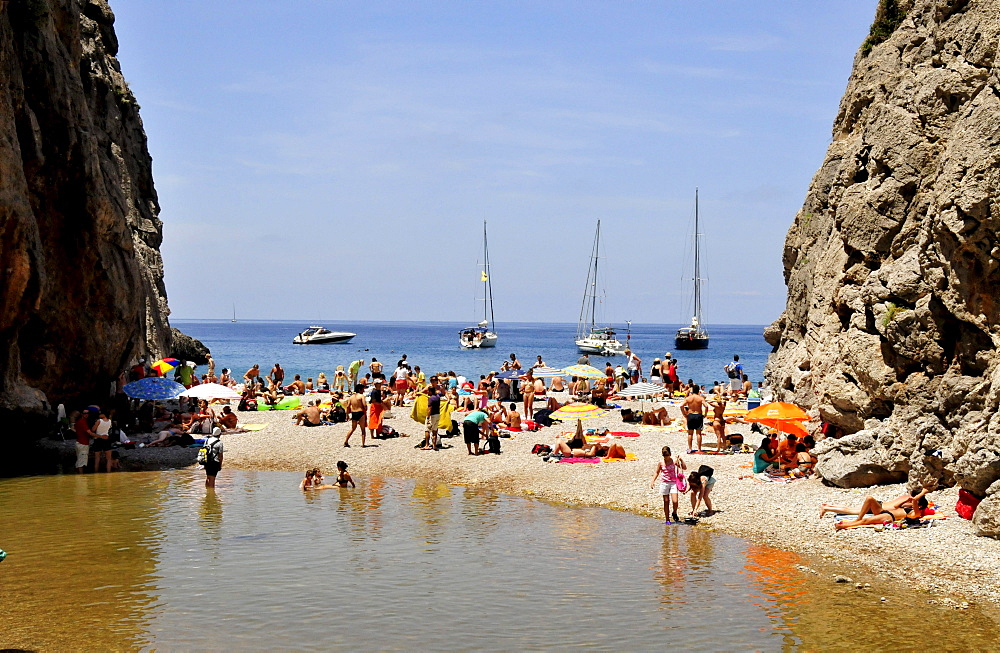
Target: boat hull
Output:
[
  {"x": 326, "y": 339},
  {"x": 600, "y": 347},
  {"x": 697, "y": 342},
  {"x": 487, "y": 341}
]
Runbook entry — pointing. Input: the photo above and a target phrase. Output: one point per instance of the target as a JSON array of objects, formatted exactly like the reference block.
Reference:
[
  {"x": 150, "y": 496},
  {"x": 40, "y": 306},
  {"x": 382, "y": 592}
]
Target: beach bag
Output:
[
  {"x": 542, "y": 417},
  {"x": 387, "y": 432},
  {"x": 967, "y": 504},
  {"x": 731, "y": 370},
  {"x": 541, "y": 449},
  {"x": 492, "y": 445},
  {"x": 338, "y": 415}
]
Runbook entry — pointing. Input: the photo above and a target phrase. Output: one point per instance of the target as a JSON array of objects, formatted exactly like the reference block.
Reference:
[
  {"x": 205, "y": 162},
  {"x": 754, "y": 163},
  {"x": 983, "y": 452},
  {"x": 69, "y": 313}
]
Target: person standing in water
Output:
[{"x": 670, "y": 474}]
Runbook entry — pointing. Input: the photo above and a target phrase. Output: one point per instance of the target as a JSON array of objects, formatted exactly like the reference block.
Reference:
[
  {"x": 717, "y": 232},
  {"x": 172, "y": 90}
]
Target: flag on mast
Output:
[{"x": 484, "y": 276}]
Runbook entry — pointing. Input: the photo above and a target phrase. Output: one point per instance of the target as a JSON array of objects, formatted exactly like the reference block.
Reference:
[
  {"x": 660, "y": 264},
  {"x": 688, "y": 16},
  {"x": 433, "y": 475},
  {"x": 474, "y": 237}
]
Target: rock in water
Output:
[
  {"x": 892, "y": 324},
  {"x": 186, "y": 348},
  {"x": 82, "y": 289}
]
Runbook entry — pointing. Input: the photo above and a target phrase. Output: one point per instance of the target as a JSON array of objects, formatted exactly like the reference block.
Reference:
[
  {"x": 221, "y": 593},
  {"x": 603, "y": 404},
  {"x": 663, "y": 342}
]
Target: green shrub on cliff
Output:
[{"x": 888, "y": 16}]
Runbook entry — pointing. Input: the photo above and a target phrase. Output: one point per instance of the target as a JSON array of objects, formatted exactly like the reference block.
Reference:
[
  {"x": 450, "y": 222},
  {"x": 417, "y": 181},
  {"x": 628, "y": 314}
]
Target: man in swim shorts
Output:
[
  {"x": 356, "y": 407},
  {"x": 693, "y": 410},
  {"x": 352, "y": 372}
]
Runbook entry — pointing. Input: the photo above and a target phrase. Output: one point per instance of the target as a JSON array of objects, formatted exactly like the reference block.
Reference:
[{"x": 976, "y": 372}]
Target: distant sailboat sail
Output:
[
  {"x": 694, "y": 336},
  {"x": 234, "y": 313},
  {"x": 482, "y": 335}
]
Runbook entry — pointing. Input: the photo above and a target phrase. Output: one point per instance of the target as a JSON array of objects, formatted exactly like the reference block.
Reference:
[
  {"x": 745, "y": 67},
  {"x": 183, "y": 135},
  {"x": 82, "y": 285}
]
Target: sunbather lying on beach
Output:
[
  {"x": 605, "y": 448},
  {"x": 872, "y": 512},
  {"x": 656, "y": 416},
  {"x": 902, "y": 501}
]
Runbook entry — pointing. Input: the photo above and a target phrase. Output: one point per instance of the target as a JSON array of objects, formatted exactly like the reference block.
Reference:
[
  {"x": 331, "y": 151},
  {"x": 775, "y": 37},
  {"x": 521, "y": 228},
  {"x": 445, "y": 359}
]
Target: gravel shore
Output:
[{"x": 945, "y": 559}]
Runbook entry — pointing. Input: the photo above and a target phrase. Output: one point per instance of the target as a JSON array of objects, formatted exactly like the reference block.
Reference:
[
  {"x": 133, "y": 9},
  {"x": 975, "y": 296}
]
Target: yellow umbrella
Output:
[
  {"x": 584, "y": 371},
  {"x": 577, "y": 411}
]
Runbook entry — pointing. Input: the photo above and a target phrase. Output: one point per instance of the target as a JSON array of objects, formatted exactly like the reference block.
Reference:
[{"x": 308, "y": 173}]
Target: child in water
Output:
[
  {"x": 314, "y": 481},
  {"x": 670, "y": 473},
  {"x": 343, "y": 478}
]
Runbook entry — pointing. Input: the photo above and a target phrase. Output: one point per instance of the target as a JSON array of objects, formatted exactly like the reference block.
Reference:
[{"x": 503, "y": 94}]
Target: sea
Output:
[{"x": 434, "y": 347}]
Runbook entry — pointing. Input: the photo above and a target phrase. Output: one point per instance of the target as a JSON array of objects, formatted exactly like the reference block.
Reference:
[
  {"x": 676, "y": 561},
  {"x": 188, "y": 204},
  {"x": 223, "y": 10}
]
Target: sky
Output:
[{"x": 320, "y": 159}]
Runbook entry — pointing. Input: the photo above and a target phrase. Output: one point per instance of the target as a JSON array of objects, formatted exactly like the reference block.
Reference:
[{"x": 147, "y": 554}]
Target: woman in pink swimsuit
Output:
[{"x": 670, "y": 473}]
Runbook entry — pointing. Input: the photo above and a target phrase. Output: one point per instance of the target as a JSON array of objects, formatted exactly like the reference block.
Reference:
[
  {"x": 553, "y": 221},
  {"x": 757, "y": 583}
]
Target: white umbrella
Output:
[
  {"x": 642, "y": 390},
  {"x": 547, "y": 372},
  {"x": 210, "y": 391}
]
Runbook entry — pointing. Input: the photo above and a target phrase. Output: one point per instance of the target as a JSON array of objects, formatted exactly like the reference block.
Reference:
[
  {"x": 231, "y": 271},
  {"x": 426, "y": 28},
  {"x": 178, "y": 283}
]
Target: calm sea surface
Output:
[
  {"x": 151, "y": 561},
  {"x": 434, "y": 346}
]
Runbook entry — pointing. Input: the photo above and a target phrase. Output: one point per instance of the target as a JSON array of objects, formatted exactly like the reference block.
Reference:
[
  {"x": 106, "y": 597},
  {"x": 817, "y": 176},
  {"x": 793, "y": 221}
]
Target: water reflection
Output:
[
  {"x": 670, "y": 567},
  {"x": 431, "y": 506},
  {"x": 210, "y": 517},
  {"x": 478, "y": 509}
]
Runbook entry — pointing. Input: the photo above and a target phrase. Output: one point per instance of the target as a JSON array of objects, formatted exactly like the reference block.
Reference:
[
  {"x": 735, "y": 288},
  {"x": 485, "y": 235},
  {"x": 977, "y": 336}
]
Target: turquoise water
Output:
[
  {"x": 434, "y": 346},
  {"x": 152, "y": 561}
]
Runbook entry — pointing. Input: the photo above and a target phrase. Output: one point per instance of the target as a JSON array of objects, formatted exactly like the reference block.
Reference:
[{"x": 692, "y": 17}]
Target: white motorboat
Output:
[
  {"x": 479, "y": 336},
  {"x": 317, "y": 335},
  {"x": 590, "y": 338},
  {"x": 694, "y": 336}
]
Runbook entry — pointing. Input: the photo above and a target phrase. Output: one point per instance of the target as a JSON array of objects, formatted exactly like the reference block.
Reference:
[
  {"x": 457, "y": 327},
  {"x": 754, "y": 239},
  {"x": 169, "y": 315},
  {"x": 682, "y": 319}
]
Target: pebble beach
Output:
[{"x": 947, "y": 560}]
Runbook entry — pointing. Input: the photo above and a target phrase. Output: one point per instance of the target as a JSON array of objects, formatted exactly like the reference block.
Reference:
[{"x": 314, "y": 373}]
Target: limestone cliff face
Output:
[
  {"x": 81, "y": 278},
  {"x": 892, "y": 325}
]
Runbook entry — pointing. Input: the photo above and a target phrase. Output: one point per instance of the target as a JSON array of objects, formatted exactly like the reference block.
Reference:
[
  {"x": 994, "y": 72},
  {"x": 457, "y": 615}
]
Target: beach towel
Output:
[
  {"x": 628, "y": 456},
  {"x": 702, "y": 452},
  {"x": 580, "y": 460},
  {"x": 421, "y": 409},
  {"x": 254, "y": 427},
  {"x": 625, "y": 434}
]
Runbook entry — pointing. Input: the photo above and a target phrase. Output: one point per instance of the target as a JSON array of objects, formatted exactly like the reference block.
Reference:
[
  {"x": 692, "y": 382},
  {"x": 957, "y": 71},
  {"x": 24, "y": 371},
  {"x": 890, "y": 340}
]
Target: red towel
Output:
[
  {"x": 580, "y": 460},
  {"x": 624, "y": 434}
]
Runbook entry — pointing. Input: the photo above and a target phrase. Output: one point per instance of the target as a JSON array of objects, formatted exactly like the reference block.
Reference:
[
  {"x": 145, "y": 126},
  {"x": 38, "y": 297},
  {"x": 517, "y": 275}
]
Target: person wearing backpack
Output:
[{"x": 210, "y": 456}]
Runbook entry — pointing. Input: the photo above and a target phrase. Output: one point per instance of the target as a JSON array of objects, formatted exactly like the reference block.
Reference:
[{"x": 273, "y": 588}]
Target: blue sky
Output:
[{"x": 335, "y": 160}]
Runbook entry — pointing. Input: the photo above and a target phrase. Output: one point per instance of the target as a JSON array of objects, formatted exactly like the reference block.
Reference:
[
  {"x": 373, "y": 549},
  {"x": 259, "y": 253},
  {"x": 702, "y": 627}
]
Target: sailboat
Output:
[
  {"x": 590, "y": 338},
  {"x": 234, "y": 313},
  {"x": 694, "y": 336},
  {"x": 483, "y": 334}
]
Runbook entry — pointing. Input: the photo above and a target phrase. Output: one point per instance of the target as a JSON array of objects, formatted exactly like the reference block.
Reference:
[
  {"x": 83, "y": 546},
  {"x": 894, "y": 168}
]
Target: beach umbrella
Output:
[
  {"x": 153, "y": 387},
  {"x": 780, "y": 415},
  {"x": 210, "y": 391},
  {"x": 164, "y": 365},
  {"x": 510, "y": 374},
  {"x": 642, "y": 390},
  {"x": 547, "y": 372},
  {"x": 577, "y": 411},
  {"x": 584, "y": 372}
]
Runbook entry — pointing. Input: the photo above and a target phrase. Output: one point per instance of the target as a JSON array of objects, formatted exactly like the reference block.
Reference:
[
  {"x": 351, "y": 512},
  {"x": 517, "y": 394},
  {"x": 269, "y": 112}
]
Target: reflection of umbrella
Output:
[
  {"x": 780, "y": 415},
  {"x": 210, "y": 391},
  {"x": 585, "y": 372},
  {"x": 164, "y": 365},
  {"x": 547, "y": 372},
  {"x": 577, "y": 411},
  {"x": 153, "y": 387}
]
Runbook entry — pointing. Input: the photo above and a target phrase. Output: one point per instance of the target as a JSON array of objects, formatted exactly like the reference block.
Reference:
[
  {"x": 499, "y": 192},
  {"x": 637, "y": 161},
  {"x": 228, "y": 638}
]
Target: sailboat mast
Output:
[
  {"x": 697, "y": 263},
  {"x": 488, "y": 283},
  {"x": 593, "y": 288}
]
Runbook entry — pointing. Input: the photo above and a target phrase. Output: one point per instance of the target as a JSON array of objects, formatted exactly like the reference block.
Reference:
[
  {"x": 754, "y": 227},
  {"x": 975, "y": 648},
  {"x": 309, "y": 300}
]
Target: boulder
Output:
[
  {"x": 986, "y": 519},
  {"x": 855, "y": 461},
  {"x": 186, "y": 348}
]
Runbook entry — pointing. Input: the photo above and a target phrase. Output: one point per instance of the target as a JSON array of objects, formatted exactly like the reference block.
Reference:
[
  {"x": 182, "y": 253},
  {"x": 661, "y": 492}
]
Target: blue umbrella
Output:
[
  {"x": 153, "y": 387},
  {"x": 510, "y": 374}
]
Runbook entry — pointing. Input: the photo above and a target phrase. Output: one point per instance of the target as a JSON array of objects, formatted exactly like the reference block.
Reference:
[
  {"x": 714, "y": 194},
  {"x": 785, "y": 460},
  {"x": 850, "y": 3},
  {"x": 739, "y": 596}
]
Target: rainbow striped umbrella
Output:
[
  {"x": 578, "y": 411},
  {"x": 164, "y": 365},
  {"x": 585, "y": 372}
]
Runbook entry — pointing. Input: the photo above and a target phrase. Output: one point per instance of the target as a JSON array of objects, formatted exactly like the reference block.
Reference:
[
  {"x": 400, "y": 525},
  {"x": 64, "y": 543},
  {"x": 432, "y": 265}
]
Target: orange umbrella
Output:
[{"x": 780, "y": 415}]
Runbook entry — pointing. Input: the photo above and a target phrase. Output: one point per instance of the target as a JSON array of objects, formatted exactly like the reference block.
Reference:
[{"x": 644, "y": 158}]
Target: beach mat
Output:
[
  {"x": 625, "y": 434},
  {"x": 254, "y": 427},
  {"x": 580, "y": 460},
  {"x": 628, "y": 456},
  {"x": 288, "y": 403}
]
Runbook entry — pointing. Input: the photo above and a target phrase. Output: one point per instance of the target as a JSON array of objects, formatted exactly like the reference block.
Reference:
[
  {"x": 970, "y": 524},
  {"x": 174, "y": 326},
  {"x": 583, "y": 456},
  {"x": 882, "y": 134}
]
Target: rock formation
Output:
[
  {"x": 81, "y": 278},
  {"x": 892, "y": 325}
]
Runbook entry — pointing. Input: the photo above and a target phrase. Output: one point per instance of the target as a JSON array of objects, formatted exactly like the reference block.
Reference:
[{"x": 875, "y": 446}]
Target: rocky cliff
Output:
[
  {"x": 892, "y": 325},
  {"x": 81, "y": 278}
]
